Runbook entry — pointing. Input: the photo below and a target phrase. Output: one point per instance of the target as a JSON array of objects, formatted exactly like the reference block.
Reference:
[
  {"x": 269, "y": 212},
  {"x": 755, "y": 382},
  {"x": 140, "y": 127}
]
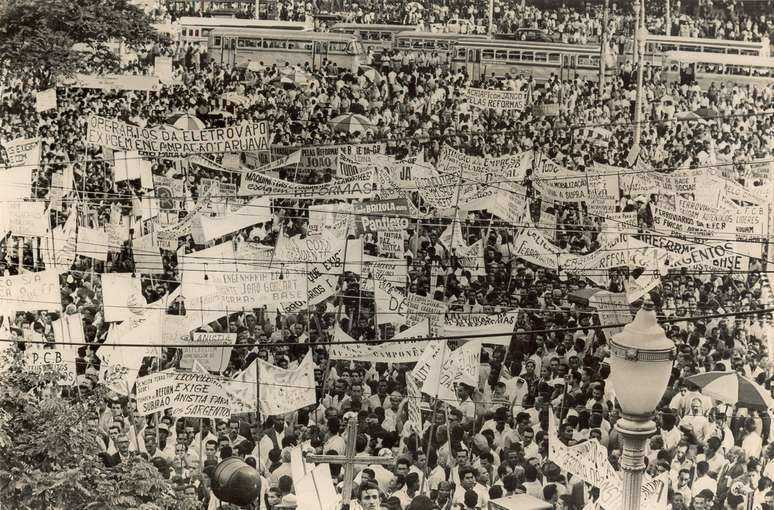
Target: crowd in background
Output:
[{"x": 495, "y": 443}]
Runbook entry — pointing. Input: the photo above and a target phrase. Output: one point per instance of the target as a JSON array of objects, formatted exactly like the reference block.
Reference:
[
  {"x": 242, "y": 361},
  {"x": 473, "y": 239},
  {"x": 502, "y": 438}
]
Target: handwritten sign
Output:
[{"x": 214, "y": 359}]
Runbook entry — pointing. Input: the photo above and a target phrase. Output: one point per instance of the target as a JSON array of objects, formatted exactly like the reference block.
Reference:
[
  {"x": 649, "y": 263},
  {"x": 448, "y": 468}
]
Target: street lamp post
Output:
[{"x": 641, "y": 359}]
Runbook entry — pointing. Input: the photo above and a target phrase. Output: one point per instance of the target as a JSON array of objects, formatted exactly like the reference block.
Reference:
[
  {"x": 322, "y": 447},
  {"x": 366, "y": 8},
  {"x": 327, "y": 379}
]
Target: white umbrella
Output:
[
  {"x": 350, "y": 123},
  {"x": 187, "y": 122}
]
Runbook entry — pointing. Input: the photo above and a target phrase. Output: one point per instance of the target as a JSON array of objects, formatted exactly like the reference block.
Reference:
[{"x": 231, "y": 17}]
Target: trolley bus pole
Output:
[
  {"x": 491, "y": 19},
  {"x": 603, "y": 50},
  {"x": 257, "y": 9},
  {"x": 668, "y": 20},
  {"x": 639, "y": 42}
]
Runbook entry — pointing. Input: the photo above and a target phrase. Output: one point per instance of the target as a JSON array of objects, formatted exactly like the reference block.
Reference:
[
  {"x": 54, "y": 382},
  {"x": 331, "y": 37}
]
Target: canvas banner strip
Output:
[
  {"x": 112, "y": 82},
  {"x": 536, "y": 249},
  {"x": 361, "y": 186},
  {"x": 29, "y": 292},
  {"x": 393, "y": 352},
  {"x": 20, "y": 152},
  {"x": 421, "y": 308},
  {"x": 498, "y": 328},
  {"x": 326, "y": 156},
  {"x": 198, "y": 395},
  {"x": 214, "y": 359},
  {"x": 60, "y": 360},
  {"x": 284, "y": 391},
  {"x": 158, "y": 141},
  {"x": 487, "y": 169},
  {"x": 154, "y": 392},
  {"x": 381, "y": 216},
  {"x": 612, "y": 308},
  {"x": 499, "y": 100}
]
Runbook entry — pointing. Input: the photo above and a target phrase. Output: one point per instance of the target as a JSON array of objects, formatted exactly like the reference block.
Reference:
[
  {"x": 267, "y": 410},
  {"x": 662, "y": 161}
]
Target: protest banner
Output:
[
  {"x": 154, "y": 392},
  {"x": 423, "y": 370},
  {"x": 546, "y": 110},
  {"x": 381, "y": 268},
  {"x": 45, "y": 100},
  {"x": 500, "y": 100},
  {"x": 498, "y": 328},
  {"x": 422, "y": 308},
  {"x": 381, "y": 216},
  {"x": 92, "y": 243},
  {"x": 59, "y": 360},
  {"x": 533, "y": 247},
  {"x": 176, "y": 142},
  {"x": 214, "y": 359},
  {"x": 347, "y": 167},
  {"x": 330, "y": 217},
  {"x": 439, "y": 190},
  {"x": 393, "y": 352},
  {"x": 198, "y": 395},
  {"x": 414, "y": 396},
  {"x": 111, "y": 82},
  {"x": 284, "y": 391},
  {"x": 390, "y": 244},
  {"x": 125, "y": 299},
  {"x": 612, "y": 308},
  {"x": 20, "y": 152},
  {"x": 508, "y": 206},
  {"x": 29, "y": 292},
  {"x": 482, "y": 170},
  {"x": 390, "y": 303},
  {"x": 162, "y": 69},
  {"x": 147, "y": 255},
  {"x": 325, "y": 157},
  {"x": 205, "y": 228},
  {"x": 360, "y": 186},
  {"x": 316, "y": 490},
  {"x": 169, "y": 193},
  {"x": 69, "y": 329},
  {"x": 27, "y": 219},
  {"x": 15, "y": 183}
]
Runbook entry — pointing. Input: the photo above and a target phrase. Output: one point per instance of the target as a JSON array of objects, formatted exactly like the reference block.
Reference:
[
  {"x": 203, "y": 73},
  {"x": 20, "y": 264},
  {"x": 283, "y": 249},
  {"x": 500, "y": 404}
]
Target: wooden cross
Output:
[{"x": 349, "y": 460}]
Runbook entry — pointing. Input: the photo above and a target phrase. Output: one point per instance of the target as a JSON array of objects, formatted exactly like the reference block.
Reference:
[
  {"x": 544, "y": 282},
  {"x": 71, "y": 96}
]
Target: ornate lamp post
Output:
[{"x": 641, "y": 359}]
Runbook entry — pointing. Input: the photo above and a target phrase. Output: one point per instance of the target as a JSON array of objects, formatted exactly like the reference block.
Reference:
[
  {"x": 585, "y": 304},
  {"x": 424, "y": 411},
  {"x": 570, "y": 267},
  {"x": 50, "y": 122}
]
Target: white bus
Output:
[
  {"x": 707, "y": 68},
  {"x": 657, "y": 46},
  {"x": 235, "y": 47},
  {"x": 197, "y": 29},
  {"x": 484, "y": 57},
  {"x": 378, "y": 38}
]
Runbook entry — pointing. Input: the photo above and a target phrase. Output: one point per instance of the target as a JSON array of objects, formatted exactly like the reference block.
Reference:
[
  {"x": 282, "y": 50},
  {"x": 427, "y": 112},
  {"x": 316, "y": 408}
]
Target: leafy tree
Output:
[
  {"x": 49, "y": 458},
  {"x": 38, "y": 35}
]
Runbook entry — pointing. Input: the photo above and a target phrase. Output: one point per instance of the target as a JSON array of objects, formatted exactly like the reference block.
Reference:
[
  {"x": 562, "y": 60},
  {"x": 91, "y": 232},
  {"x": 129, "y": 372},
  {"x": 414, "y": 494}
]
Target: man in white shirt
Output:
[
  {"x": 468, "y": 482},
  {"x": 703, "y": 480}
]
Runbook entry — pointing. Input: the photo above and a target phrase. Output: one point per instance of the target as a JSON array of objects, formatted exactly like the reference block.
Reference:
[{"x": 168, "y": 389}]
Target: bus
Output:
[
  {"x": 656, "y": 47},
  {"x": 485, "y": 57},
  {"x": 429, "y": 42},
  {"x": 197, "y": 29},
  {"x": 378, "y": 38},
  {"x": 234, "y": 47},
  {"x": 708, "y": 68}
]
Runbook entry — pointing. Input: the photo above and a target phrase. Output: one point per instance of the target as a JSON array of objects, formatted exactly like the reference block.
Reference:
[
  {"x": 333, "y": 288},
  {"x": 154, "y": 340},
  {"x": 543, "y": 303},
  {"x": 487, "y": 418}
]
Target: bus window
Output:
[
  {"x": 404, "y": 44},
  {"x": 418, "y": 45},
  {"x": 595, "y": 60},
  {"x": 184, "y": 32},
  {"x": 487, "y": 54},
  {"x": 241, "y": 43},
  {"x": 442, "y": 45},
  {"x": 196, "y": 33},
  {"x": 216, "y": 42},
  {"x": 514, "y": 56},
  {"x": 527, "y": 56},
  {"x": 732, "y": 51},
  {"x": 714, "y": 49},
  {"x": 540, "y": 57},
  {"x": 554, "y": 58},
  {"x": 292, "y": 45},
  {"x": 461, "y": 52},
  {"x": 584, "y": 60},
  {"x": 689, "y": 47},
  {"x": 308, "y": 45},
  {"x": 501, "y": 55},
  {"x": 385, "y": 36},
  {"x": 429, "y": 45},
  {"x": 206, "y": 32},
  {"x": 337, "y": 47},
  {"x": 754, "y": 53}
]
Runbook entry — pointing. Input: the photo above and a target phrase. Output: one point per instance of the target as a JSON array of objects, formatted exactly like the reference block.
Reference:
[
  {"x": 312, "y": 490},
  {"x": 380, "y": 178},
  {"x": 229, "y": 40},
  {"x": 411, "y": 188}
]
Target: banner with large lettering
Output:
[
  {"x": 29, "y": 292},
  {"x": 205, "y": 228},
  {"x": 422, "y": 308},
  {"x": 20, "y": 152},
  {"x": 214, "y": 359},
  {"x": 487, "y": 169},
  {"x": 499, "y": 100},
  {"x": 533, "y": 247},
  {"x": 325, "y": 157},
  {"x": 374, "y": 217},
  {"x": 499, "y": 328},
  {"x": 409, "y": 351},
  {"x": 172, "y": 142},
  {"x": 361, "y": 186},
  {"x": 199, "y": 395}
]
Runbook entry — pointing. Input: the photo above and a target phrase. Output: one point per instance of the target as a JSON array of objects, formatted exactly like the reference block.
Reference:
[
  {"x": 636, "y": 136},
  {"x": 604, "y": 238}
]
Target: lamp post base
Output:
[{"x": 635, "y": 431}]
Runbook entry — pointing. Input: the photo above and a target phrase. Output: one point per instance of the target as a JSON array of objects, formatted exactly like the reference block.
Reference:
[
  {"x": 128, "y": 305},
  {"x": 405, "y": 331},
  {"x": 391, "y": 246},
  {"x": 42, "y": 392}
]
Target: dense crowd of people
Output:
[{"x": 495, "y": 442}]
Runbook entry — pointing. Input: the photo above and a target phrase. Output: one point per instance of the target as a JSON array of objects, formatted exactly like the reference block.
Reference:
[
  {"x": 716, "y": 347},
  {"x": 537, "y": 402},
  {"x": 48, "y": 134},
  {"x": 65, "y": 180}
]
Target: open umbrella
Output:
[
  {"x": 372, "y": 74},
  {"x": 688, "y": 116},
  {"x": 186, "y": 121},
  {"x": 221, "y": 113},
  {"x": 350, "y": 123},
  {"x": 731, "y": 388}
]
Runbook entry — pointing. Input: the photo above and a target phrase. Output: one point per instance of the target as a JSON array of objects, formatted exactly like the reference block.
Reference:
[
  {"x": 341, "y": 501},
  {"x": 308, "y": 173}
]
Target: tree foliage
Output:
[
  {"x": 38, "y": 35},
  {"x": 49, "y": 458}
]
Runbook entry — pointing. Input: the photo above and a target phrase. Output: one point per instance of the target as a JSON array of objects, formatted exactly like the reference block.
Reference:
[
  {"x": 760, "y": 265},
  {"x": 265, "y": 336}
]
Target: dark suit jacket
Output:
[{"x": 111, "y": 460}]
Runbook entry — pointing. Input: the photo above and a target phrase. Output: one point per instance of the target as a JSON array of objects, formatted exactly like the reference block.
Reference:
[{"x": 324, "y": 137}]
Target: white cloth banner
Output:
[
  {"x": 498, "y": 328},
  {"x": 284, "y": 391}
]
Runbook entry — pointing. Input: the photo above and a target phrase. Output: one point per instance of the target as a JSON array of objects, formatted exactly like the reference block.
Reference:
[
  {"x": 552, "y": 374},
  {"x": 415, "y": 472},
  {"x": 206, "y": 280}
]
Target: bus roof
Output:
[
  {"x": 283, "y": 34},
  {"x": 417, "y": 34},
  {"x": 374, "y": 27},
  {"x": 703, "y": 41},
  {"x": 692, "y": 57},
  {"x": 485, "y": 42},
  {"x": 238, "y": 22}
]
